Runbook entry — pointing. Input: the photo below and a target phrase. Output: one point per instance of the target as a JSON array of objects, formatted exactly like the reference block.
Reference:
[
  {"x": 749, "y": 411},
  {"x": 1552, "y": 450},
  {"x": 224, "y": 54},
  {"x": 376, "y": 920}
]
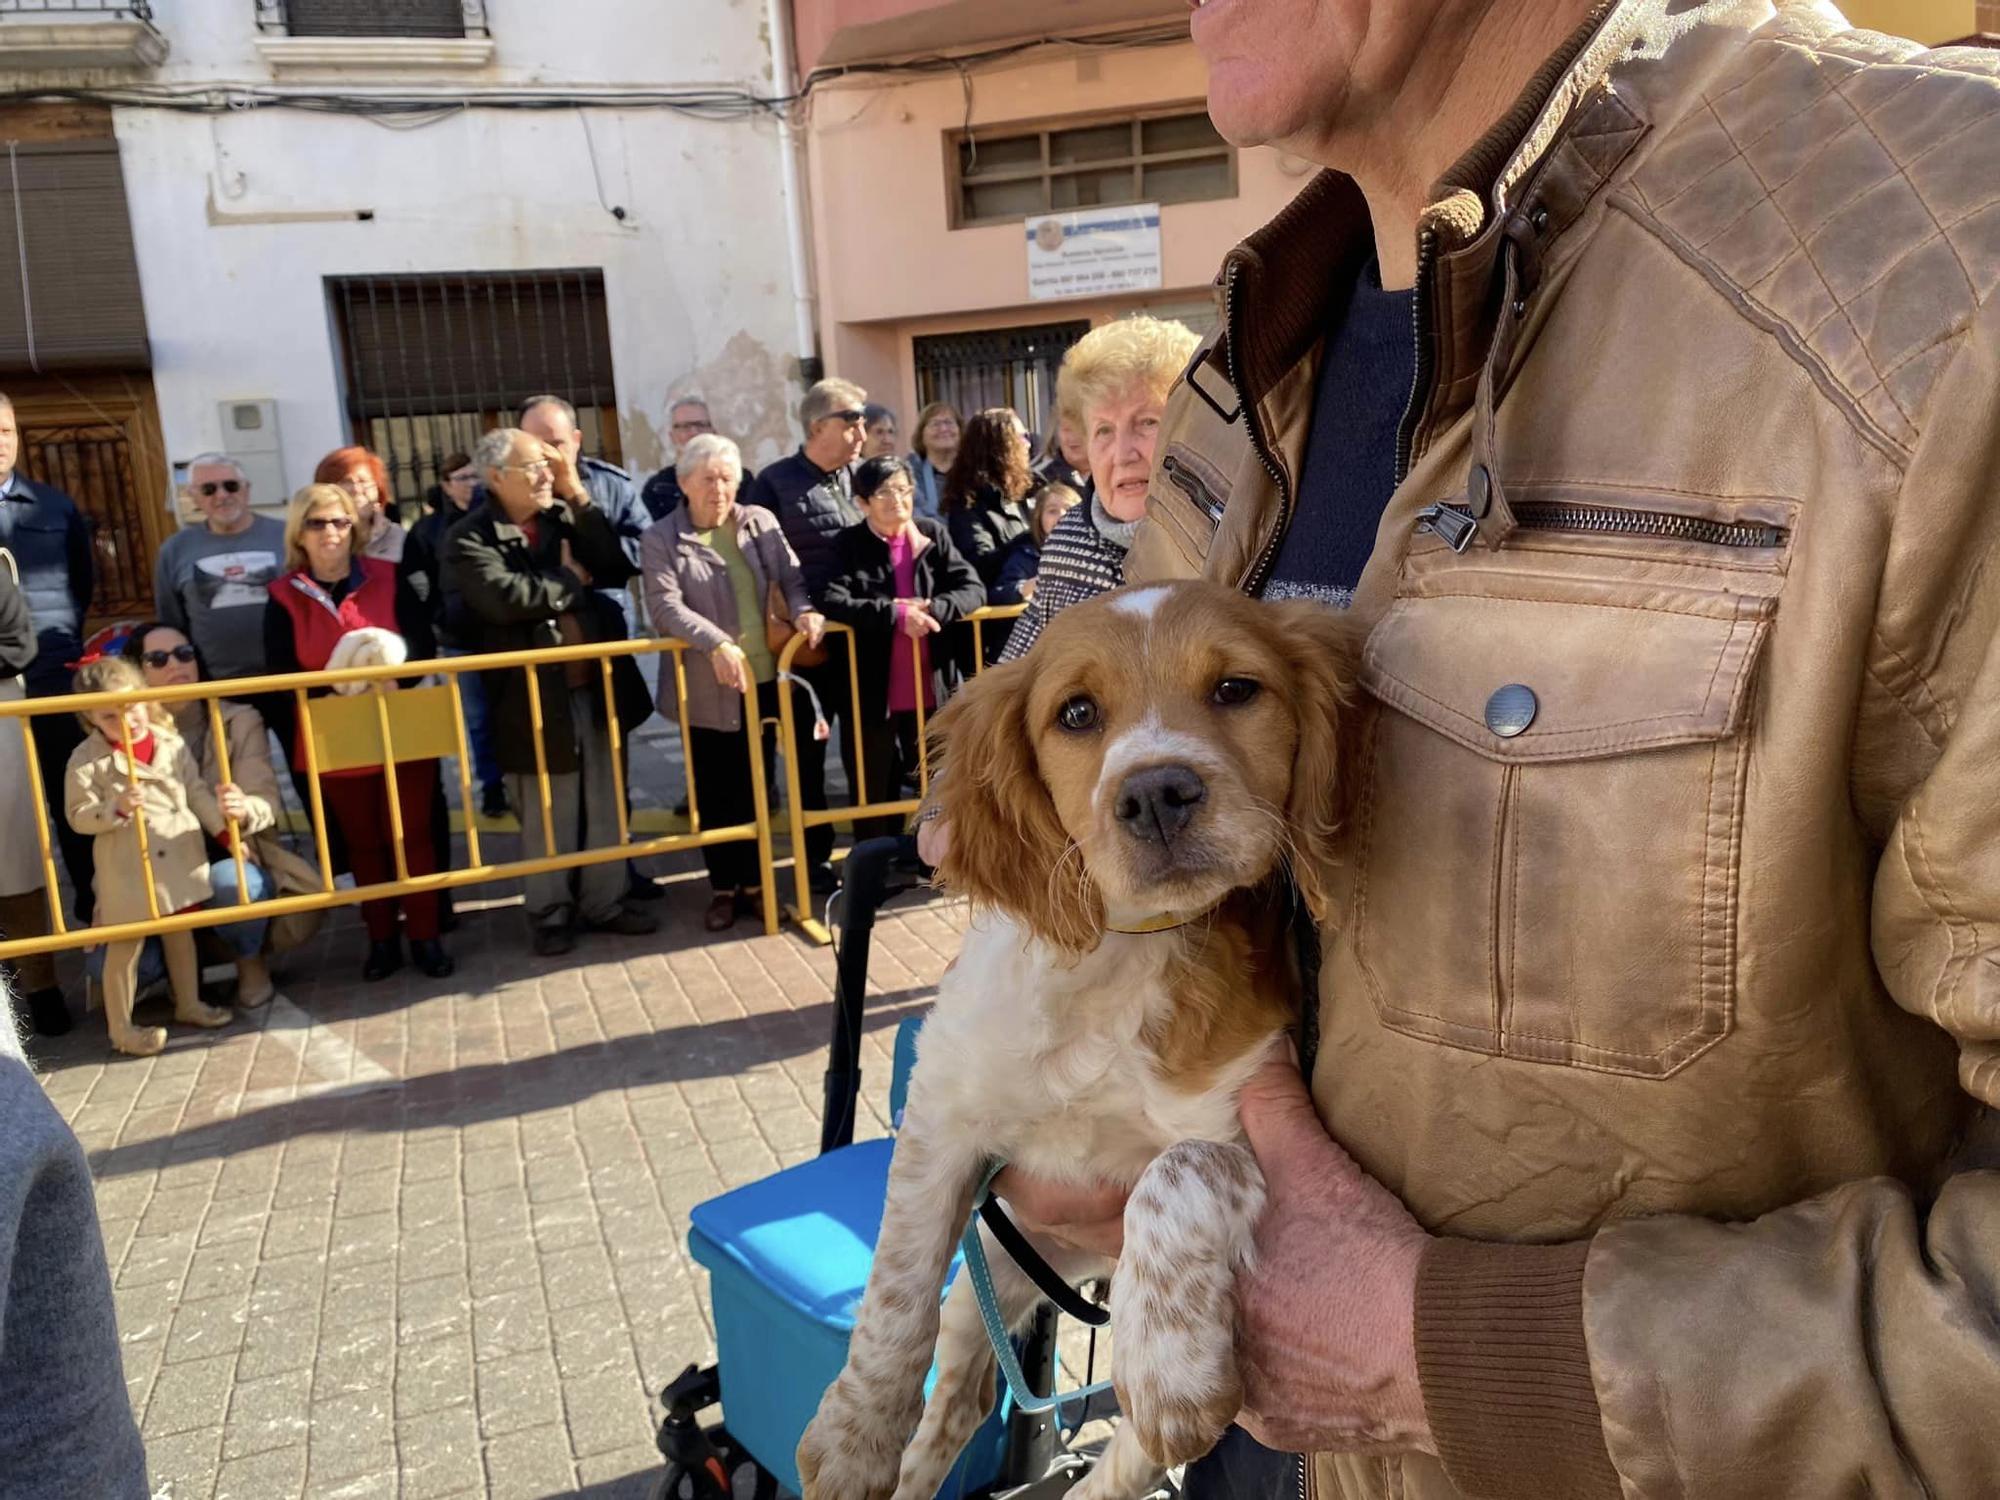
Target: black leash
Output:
[{"x": 1039, "y": 1271}]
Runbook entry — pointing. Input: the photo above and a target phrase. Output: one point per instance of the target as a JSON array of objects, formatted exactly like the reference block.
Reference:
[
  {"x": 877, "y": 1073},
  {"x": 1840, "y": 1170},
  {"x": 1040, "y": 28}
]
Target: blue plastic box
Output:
[{"x": 788, "y": 1259}]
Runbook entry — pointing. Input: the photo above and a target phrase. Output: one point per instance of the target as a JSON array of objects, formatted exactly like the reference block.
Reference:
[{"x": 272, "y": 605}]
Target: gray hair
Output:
[
  {"x": 682, "y": 401},
  {"x": 704, "y": 450},
  {"x": 828, "y": 397},
  {"x": 546, "y": 399},
  {"x": 493, "y": 448},
  {"x": 215, "y": 461}
]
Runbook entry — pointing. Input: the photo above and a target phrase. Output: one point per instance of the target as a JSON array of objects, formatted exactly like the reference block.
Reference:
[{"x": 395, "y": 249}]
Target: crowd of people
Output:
[{"x": 525, "y": 543}]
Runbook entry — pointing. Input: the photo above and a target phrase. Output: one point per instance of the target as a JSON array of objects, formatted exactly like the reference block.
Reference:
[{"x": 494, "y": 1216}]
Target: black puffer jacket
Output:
[{"x": 813, "y": 507}]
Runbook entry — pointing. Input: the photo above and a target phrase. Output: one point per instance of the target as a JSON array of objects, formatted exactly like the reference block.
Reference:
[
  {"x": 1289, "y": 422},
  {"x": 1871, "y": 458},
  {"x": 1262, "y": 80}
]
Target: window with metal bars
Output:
[
  {"x": 434, "y": 359},
  {"x": 1169, "y": 155},
  {"x": 997, "y": 367},
  {"x": 423, "y": 18}
]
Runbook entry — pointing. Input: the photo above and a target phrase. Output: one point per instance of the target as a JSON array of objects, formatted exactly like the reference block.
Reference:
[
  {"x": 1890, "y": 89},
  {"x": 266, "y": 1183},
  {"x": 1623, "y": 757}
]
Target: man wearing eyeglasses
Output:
[
  {"x": 687, "y": 419},
  {"x": 211, "y": 581}
]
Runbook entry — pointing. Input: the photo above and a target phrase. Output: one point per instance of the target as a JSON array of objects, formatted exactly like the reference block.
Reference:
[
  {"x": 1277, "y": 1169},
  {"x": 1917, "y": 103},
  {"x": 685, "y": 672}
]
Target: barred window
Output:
[
  {"x": 1172, "y": 155},
  {"x": 416, "y": 18}
]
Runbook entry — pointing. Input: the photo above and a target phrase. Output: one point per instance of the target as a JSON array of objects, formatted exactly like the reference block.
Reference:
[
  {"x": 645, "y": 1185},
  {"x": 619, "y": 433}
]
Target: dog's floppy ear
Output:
[
  {"x": 1322, "y": 645},
  {"x": 1008, "y": 848}
]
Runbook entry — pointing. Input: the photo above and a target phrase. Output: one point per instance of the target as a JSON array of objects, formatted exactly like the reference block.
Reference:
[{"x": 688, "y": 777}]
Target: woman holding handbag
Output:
[{"x": 722, "y": 577}]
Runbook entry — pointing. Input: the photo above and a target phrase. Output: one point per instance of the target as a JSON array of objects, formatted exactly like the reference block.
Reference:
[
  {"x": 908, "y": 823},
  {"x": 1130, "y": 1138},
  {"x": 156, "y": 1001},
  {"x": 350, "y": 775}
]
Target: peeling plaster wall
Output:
[{"x": 696, "y": 276}]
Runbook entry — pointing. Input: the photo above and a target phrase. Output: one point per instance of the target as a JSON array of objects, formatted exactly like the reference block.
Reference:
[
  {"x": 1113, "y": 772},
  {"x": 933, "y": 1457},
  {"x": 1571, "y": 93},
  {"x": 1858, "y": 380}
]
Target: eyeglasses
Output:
[
  {"x": 227, "y": 486},
  {"x": 329, "y": 523},
  {"x": 466, "y": 476},
  {"x": 694, "y": 427},
  {"x": 182, "y": 653},
  {"x": 539, "y": 466}
]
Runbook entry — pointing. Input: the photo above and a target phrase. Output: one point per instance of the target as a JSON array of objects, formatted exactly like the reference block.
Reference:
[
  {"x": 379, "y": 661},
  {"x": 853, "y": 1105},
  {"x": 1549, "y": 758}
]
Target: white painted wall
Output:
[{"x": 696, "y": 276}]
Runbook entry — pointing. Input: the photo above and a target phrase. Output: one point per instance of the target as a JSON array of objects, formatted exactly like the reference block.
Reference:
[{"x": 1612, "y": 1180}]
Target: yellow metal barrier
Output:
[
  {"x": 378, "y": 728},
  {"x": 800, "y": 911}
]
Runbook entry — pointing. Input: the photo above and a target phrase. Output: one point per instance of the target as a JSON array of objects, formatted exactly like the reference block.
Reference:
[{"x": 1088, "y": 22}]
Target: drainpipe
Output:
[{"x": 791, "y": 147}]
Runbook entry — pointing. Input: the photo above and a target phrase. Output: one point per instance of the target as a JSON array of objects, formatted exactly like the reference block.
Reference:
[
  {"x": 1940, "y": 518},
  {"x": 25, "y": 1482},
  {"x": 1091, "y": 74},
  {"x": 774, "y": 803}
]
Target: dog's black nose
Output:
[{"x": 1155, "y": 804}]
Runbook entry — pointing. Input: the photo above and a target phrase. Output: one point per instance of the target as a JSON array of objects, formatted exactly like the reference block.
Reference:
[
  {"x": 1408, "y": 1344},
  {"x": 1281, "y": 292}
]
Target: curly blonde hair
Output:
[{"x": 1137, "y": 353}]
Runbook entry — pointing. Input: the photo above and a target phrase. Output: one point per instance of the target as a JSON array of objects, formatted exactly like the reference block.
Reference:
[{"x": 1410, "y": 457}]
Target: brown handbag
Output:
[{"x": 779, "y": 630}]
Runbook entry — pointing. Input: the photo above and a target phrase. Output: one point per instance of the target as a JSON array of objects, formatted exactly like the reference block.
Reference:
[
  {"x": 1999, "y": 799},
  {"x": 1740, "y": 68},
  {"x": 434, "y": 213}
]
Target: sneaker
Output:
[
  {"x": 554, "y": 940},
  {"x": 628, "y": 923},
  {"x": 493, "y": 801}
]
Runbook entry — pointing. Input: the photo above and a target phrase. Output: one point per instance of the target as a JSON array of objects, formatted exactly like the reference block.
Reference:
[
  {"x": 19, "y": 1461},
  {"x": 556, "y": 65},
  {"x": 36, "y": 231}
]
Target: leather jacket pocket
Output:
[{"x": 1550, "y": 804}]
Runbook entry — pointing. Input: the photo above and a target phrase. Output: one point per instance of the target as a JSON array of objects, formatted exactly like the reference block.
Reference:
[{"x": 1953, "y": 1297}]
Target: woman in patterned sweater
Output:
[{"x": 1114, "y": 384}]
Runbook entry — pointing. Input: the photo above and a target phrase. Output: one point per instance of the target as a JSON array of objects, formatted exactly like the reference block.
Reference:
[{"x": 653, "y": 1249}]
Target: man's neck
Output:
[
  {"x": 522, "y": 516},
  {"x": 826, "y": 463},
  {"x": 1468, "y": 76},
  {"x": 233, "y": 528}
]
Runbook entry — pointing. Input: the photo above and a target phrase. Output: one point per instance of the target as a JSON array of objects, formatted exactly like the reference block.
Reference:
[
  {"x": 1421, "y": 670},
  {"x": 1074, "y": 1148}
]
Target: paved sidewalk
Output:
[{"x": 425, "y": 1239}]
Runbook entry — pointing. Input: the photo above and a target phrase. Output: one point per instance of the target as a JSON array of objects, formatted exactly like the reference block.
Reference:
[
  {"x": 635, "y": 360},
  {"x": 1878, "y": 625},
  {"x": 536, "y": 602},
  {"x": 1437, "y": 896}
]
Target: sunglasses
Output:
[
  {"x": 329, "y": 523},
  {"x": 208, "y": 490},
  {"x": 157, "y": 659}
]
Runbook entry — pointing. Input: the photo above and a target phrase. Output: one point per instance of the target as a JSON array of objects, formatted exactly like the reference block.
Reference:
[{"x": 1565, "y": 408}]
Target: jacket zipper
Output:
[
  {"x": 1305, "y": 1477},
  {"x": 1186, "y": 480},
  {"x": 1406, "y": 430},
  {"x": 1613, "y": 521},
  {"x": 1260, "y": 570}
]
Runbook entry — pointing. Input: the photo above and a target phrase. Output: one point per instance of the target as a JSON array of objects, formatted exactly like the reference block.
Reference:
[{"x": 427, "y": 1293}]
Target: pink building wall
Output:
[{"x": 887, "y": 266}]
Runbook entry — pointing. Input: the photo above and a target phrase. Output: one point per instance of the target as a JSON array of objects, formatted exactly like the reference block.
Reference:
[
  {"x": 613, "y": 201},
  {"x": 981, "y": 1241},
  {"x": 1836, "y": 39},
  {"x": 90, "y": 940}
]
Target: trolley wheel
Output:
[{"x": 731, "y": 1474}]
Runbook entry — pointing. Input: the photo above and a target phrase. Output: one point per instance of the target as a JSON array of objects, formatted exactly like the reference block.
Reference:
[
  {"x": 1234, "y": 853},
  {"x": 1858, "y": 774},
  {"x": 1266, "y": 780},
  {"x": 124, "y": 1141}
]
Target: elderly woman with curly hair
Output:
[
  {"x": 1115, "y": 380},
  {"x": 361, "y": 473}
]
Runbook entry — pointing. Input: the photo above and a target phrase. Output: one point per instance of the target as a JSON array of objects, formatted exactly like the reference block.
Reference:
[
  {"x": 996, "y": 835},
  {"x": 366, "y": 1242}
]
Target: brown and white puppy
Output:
[{"x": 1124, "y": 804}]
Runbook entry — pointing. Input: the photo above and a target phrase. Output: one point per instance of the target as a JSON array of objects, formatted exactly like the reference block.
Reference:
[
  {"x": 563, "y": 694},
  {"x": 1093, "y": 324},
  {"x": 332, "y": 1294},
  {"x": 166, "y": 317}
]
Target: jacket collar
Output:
[{"x": 1279, "y": 285}]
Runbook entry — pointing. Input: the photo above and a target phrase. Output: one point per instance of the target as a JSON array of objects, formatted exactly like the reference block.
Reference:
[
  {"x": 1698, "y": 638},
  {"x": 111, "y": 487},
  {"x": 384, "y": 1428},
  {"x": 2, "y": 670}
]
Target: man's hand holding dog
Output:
[{"x": 1327, "y": 1316}]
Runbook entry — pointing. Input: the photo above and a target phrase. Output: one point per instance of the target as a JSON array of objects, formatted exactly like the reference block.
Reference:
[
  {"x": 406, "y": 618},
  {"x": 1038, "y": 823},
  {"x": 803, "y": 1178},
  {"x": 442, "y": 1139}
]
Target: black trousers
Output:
[
  {"x": 830, "y": 681},
  {"x": 56, "y": 738},
  {"x": 725, "y": 795},
  {"x": 1241, "y": 1468},
  {"x": 889, "y": 756}
]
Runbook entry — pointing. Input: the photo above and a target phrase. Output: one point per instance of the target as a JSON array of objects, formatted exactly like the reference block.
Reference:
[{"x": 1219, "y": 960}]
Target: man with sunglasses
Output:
[{"x": 211, "y": 581}]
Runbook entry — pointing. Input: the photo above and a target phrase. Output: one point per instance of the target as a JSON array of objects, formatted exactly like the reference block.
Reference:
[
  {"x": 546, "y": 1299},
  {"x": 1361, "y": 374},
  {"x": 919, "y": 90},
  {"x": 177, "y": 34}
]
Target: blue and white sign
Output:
[{"x": 1094, "y": 252}]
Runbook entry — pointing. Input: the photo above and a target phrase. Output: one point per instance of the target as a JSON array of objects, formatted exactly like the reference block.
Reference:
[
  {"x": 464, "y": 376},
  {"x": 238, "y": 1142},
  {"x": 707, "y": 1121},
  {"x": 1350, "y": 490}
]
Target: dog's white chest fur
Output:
[{"x": 1049, "y": 1066}]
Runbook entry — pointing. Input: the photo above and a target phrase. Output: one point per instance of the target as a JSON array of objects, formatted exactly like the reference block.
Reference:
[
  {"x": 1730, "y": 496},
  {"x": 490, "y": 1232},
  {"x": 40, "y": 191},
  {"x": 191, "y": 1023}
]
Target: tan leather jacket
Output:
[{"x": 1670, "y": 994}]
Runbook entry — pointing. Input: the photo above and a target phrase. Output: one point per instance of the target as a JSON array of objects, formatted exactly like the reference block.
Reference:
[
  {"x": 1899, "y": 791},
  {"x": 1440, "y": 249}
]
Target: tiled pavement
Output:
[{"x": 425, "y": 1238}]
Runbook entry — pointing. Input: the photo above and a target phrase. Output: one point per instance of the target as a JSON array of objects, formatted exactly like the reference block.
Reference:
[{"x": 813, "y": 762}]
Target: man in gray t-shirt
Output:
[{"x": 210, "y": 581}]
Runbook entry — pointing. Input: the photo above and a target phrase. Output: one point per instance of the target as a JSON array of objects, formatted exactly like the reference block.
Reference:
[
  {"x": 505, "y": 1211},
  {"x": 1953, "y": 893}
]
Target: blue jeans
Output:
[
  {"x": 478, "y": 731},
  {"x": 1240, "y": 1468},
  {"x": 244, "y": 939}
]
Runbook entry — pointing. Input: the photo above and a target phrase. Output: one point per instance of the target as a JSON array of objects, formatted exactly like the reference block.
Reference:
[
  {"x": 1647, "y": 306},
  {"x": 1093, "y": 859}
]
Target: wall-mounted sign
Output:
[{"x": 1094, "y": 252}]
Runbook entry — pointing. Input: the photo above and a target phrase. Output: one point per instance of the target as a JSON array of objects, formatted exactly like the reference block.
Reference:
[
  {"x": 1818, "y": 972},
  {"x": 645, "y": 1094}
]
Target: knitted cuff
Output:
[{"x": 1506, "y": 1371}]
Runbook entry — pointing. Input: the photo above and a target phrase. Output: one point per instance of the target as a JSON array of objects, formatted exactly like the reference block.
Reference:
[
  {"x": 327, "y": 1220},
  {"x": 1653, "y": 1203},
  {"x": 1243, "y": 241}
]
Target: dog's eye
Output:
[
  {"x": 1079, "y": 714},
  {"x": 1232, "y": 691}
]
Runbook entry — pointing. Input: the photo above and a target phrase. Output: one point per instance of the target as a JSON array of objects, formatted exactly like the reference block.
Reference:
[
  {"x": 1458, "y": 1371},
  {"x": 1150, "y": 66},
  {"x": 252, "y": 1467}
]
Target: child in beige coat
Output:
[{"x": 150, "y": 810}]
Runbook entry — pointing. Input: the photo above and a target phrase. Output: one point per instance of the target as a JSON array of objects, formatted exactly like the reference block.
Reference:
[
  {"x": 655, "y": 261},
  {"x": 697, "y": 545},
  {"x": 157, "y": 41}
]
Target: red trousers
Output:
[{"x": 356, "y": 800}]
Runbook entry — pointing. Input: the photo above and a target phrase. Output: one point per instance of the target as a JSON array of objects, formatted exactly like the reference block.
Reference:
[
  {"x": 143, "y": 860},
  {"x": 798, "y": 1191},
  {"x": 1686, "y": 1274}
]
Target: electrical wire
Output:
[{"x": 412, "y": 108}]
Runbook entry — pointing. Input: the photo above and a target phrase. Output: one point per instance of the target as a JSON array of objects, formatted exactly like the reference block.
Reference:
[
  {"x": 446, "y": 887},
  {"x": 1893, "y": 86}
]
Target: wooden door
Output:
[{"x": 97, "y": 439}]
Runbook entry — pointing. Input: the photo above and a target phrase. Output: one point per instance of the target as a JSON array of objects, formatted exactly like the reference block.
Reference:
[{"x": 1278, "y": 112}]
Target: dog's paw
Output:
[
  {"x": 847, "y": 1455},
  {"x": 1178, "y": 1426}
]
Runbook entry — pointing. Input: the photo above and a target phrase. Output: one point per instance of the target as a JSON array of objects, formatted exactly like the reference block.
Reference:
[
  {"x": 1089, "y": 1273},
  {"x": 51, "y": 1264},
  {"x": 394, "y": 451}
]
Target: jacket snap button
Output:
[
  {"x": 1511, "y": 710},
  {"x": 1479, "y": 491},
  {"x": 1540, "y": 219}
]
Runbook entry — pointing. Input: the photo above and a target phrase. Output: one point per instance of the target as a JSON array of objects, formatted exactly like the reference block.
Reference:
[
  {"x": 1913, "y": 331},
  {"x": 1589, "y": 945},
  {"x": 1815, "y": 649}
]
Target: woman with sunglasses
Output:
[
  {"x": 331, "y": 588},
  {"x": 165, "y": 657}
]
